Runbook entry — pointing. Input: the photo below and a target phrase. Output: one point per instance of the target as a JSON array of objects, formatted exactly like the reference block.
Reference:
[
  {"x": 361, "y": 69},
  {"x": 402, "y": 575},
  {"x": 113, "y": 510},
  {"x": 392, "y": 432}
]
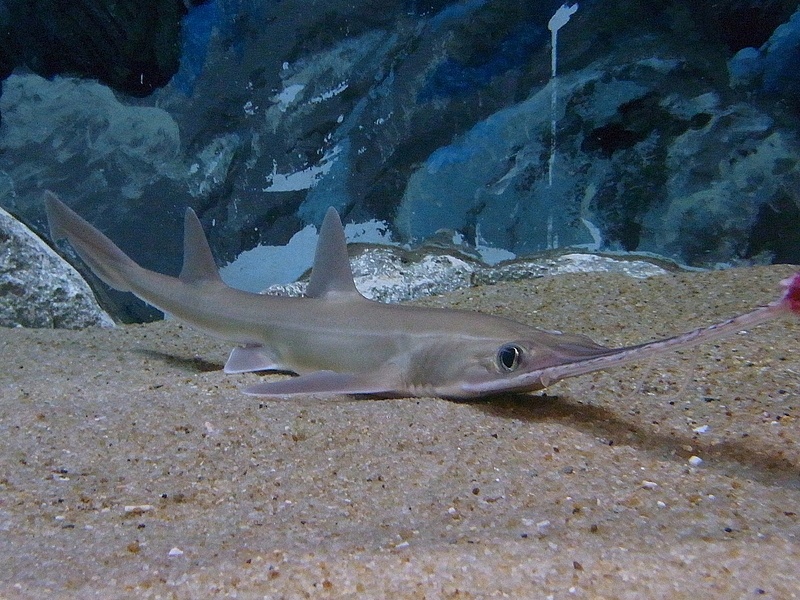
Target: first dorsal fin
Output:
[
  {"x": 198, "y": 262},
  {"x": 331, "y": 274}
]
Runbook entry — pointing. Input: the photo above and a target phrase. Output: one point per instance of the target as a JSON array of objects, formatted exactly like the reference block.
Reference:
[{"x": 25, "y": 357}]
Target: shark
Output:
[{"x": 335, "y": 341}]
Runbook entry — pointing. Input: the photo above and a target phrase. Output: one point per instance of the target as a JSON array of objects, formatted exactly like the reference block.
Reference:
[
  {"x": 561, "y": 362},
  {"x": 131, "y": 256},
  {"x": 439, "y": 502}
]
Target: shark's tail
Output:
[
  {"x": 107, "y": 261},
  {"x": 118, "y": 270}
]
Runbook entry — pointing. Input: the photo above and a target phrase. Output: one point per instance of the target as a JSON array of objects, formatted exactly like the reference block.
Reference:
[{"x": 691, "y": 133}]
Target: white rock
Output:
[
  {"x": 40, "y": 289},
  {"x": 129, "y": 508},
  {"x": 543, "y": 527},
  {"x": 391, "y": 274}
]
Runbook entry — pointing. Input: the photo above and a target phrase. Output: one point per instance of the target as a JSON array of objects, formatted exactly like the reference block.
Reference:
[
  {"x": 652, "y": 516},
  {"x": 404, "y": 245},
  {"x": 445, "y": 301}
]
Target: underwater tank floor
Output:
[{"x": 131, "y": 466}]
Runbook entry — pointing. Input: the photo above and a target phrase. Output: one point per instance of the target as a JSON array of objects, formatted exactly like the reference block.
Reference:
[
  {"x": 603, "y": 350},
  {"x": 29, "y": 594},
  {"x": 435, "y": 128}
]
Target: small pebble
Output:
[
  {"x": 138, "y": 508},
  {"x": 695, "y": 461},
  {"x": 175, "y": 552},
  {"x": 649, "y": 485},
  {"x": 543, "y": 527},
  {"x": 701, "y": 429}
]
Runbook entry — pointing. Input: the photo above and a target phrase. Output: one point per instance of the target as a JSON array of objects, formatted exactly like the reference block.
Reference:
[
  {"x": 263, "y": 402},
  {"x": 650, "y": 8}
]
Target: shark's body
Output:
[{"x": 339, "y": 342}]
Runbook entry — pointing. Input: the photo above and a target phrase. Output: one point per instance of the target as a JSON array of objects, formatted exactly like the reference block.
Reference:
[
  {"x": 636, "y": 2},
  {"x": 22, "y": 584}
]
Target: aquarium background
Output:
[{"x": 668, "y": 127}]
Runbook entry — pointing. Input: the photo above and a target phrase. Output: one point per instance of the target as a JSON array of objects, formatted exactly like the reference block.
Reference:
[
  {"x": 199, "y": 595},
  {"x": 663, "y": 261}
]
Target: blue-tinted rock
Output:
[
  {"x": 772, "y": 69},
  {"x": 131, "y": 45},
  {"x": 431, "y": 115},
  {"x": 746, "y": 67},
  {"x": 781, "y": 58}
]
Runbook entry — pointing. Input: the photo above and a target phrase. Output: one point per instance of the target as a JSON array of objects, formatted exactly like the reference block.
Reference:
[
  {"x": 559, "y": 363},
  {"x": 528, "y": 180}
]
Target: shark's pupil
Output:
[{"x": 508, "y": 357}]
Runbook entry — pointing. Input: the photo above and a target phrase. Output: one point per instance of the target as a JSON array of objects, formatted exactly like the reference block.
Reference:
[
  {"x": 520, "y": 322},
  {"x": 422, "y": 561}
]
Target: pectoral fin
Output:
[
  {"x": 320, "y": 382},
  {"x": 245, "y": 359}
]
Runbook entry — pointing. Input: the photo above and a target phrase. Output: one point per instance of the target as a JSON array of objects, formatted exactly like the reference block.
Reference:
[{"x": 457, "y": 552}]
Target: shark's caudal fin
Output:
[
  {"x": 107, "y": 261},
  {"x": 111, "y": 264},
  {"x": 331, "y": 275}
]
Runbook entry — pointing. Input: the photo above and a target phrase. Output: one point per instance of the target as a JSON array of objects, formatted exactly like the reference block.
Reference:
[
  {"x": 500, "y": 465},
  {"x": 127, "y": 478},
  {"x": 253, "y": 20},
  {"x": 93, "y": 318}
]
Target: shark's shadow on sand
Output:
[
  {"x": 747, "y": 457},
  {"x": 194, "y": 364}
]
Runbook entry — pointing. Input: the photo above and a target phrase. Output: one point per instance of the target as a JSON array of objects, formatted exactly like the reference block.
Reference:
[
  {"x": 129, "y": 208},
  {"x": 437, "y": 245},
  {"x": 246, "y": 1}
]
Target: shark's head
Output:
[{"x": 494, "y": 366}]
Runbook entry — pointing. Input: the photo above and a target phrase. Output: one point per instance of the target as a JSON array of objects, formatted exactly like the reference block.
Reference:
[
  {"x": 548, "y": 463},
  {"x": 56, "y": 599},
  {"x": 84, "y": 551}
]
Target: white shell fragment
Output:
[{"x": 138, "y": 508}]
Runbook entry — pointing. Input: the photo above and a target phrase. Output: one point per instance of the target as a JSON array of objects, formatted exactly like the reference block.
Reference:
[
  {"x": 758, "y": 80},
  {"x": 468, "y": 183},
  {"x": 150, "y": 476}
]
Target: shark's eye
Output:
[{"x": 508, "y": 357}]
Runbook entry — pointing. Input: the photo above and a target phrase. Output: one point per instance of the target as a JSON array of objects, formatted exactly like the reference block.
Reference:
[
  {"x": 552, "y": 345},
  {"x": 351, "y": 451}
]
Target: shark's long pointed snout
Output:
[{"x": 788, "y": 303}]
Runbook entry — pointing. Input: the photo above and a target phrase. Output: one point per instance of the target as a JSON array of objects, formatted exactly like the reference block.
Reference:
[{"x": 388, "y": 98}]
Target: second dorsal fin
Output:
[{"x": 331, "y": 274}]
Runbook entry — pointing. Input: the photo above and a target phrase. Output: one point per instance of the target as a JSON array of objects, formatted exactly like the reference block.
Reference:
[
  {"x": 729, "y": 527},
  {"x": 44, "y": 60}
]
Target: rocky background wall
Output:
[{"x": 671, "y": 127}]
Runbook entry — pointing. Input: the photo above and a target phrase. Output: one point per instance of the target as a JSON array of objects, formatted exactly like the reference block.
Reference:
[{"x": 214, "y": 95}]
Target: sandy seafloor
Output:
[{"x": 583, "y": 492}]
